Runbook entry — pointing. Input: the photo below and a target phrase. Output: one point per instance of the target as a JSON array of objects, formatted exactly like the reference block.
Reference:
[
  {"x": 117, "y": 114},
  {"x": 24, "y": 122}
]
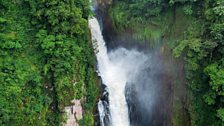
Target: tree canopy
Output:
[{"x": 44, "y": 50}]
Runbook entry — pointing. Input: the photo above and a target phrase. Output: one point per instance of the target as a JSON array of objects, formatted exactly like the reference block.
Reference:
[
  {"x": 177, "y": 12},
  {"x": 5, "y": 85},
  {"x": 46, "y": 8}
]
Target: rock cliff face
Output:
[{"x": 73, "y": 113}]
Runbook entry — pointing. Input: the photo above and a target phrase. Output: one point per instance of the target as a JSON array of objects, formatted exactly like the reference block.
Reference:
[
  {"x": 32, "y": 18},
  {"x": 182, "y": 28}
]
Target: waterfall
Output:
[
  {"x": 111, "y": 77},
  {"x": 116, "y": 69}
]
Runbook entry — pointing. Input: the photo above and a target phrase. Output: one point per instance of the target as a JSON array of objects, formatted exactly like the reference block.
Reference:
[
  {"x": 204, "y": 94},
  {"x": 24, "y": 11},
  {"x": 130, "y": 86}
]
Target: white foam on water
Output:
[{"x": 115, "y": 69}]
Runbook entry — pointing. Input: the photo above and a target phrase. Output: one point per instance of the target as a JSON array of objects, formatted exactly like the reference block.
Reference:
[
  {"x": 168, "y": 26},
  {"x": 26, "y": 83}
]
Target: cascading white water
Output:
[
  {"x": 116, "y": 69},
  {"x": 101, "y": 112}
]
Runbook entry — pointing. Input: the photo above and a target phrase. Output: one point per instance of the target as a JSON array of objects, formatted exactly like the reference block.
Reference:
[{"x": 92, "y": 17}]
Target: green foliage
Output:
[
  {"x": 125, "y": 12},
  {"x": 202, "y": 48},
  {"x": 188, "y": 10},
  {"x": 44, "y": 50},
  {"x": 136, "y": 8},
  {"x": 215, "y": 73},
  {"x": 87, "y": 120},
  {"x": 167, "y": 24},
  {"x": 22, "y": 97},
  {"x": 220, "y": 114}
]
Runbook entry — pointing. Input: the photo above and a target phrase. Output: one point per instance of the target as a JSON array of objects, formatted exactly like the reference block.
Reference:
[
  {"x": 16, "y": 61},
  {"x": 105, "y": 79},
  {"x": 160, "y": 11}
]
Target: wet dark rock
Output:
[{"x": 105, "y": 101}]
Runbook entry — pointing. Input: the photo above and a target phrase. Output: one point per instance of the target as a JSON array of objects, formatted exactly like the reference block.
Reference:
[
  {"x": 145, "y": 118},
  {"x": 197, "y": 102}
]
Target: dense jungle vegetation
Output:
[
  {"x": 46, "y": 57},
  {"x": 194, "y": 30},
  {"x": 46, "y": 60}
]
